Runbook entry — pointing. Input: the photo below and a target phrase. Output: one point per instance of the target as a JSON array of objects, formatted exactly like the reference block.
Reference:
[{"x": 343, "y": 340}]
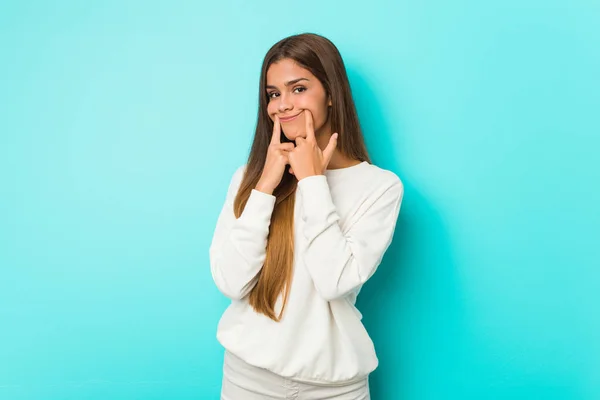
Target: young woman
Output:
[{"x": 305, "y": 224}]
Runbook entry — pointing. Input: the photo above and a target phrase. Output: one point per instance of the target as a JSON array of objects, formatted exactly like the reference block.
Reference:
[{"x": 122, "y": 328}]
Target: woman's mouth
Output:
[{"x": 288, "y": 119}]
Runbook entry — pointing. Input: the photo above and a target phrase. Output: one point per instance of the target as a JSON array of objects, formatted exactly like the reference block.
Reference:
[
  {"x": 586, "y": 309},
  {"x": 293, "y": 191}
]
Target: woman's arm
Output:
[
  {"x": 238, "y": 248},
  {"x": 339, "y": 263}
]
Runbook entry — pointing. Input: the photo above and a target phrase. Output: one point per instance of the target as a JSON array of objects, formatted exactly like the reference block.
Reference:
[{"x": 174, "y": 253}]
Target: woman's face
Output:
[{"x": 291, "y": 90}]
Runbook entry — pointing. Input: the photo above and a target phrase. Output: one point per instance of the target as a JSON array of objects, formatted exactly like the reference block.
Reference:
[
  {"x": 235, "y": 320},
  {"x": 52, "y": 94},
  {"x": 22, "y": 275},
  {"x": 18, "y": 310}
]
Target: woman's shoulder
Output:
[
  {"x": 380, "y": 176},
  {"x": 238, "y": 174},
  {"x": 365, "y": 181},
  {"x": 236, "y": 178}
]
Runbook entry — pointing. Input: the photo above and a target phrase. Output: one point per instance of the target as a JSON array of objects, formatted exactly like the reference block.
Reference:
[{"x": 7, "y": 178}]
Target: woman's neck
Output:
[{"x": 338, "y": 160}]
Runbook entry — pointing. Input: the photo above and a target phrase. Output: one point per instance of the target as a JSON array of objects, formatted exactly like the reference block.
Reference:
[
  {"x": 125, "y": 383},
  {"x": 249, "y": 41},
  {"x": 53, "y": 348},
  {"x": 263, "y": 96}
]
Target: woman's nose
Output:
[{"x": 284, "y": 103}]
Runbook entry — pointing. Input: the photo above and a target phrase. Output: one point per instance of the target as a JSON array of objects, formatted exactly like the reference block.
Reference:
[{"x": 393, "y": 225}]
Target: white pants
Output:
[{"x": 242, "y": 381}]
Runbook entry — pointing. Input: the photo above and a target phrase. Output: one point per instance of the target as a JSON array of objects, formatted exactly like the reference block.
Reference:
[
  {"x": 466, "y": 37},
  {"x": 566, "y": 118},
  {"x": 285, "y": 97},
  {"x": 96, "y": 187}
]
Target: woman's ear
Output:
[{"x": 329, "y": 104}]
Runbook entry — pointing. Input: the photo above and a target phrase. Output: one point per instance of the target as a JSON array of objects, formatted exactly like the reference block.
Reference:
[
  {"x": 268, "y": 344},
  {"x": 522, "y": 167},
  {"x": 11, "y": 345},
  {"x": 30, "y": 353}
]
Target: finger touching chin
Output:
[{"x": 293, "y": 134}]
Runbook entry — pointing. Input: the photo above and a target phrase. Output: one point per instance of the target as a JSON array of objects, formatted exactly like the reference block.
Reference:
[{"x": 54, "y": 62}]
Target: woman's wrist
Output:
[{"x": 263, "y": 188}]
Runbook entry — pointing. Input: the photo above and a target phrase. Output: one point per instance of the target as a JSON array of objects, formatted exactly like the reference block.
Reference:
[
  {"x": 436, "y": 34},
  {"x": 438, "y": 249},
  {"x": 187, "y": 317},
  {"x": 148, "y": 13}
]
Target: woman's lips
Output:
[{"x": 289, "y": 118}]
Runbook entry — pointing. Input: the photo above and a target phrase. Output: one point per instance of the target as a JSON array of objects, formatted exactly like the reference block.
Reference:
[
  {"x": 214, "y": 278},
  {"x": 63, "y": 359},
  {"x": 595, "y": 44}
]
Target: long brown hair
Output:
[{"x": 320, "y": 56}]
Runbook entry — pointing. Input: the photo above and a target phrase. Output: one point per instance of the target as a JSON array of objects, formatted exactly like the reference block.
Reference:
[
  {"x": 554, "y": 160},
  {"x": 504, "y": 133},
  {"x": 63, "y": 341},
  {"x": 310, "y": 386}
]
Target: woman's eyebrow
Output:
[{"x": 288, "y": 83}]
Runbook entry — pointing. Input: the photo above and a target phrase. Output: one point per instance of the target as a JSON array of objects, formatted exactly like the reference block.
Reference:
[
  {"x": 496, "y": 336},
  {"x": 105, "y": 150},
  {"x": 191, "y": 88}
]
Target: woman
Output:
[{"x": 305, "y": 223}]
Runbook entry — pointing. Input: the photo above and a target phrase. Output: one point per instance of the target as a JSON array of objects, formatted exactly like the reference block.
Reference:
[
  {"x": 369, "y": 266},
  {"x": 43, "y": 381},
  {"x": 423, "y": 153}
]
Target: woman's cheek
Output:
[
  {"x": 317, "y": 118},
  {"x": 272, "y": 110}
]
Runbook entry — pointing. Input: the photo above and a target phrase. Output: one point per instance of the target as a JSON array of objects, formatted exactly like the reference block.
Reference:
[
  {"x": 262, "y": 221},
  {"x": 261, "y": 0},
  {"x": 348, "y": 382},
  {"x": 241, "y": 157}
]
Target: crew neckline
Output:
[{"x": 340, "y": 171}]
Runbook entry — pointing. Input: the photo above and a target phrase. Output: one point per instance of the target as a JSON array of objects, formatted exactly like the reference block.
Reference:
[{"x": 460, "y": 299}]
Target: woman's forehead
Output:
[{"x": 286, "y": 70}]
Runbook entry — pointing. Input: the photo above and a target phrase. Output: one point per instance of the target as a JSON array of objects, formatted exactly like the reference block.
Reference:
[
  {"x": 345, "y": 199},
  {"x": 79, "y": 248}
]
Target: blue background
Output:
[{"x": 121, "y": 123}]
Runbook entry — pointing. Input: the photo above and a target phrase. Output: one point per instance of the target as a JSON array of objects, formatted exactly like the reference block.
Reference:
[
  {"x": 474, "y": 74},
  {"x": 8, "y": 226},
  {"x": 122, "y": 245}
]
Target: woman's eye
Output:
[{"x": 298, "y": 89}]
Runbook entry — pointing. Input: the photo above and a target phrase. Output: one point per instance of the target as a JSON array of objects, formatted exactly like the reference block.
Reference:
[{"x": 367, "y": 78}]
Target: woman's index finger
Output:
[
  {"x": 276, "y": 138},
  {"x": 310, "y": 130}
]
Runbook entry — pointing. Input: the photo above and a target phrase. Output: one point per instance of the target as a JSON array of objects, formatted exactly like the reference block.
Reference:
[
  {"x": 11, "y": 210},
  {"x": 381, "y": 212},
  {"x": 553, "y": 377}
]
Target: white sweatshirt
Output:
[{"x": 343, "y": 224}]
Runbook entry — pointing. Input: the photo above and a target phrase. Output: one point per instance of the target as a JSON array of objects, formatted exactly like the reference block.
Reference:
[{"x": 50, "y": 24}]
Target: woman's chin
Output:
[{"x": 292, "y": 136}]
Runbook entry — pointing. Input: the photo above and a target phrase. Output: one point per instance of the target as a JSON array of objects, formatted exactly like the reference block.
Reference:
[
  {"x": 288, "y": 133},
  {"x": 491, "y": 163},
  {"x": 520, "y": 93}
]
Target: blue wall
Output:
[{"x": 122, "y": 122}]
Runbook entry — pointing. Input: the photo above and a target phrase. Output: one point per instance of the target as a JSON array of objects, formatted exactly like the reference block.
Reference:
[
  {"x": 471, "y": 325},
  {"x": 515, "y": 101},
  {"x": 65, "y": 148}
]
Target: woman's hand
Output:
[
  {"x": 307, "y": 159},
  {"x": 275, "y": 164}
]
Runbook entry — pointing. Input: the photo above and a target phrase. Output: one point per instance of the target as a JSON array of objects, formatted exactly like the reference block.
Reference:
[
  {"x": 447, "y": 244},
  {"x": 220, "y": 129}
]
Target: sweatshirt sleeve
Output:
[
  {"x": 341, "y": 262},
  {"x": 238, "y": 248}
]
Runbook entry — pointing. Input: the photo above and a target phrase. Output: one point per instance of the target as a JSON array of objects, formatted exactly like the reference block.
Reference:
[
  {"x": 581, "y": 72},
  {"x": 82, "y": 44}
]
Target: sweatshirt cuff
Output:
[
  {"x": 259, "y": 206},
  {"x": 316, "y": 199}
]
